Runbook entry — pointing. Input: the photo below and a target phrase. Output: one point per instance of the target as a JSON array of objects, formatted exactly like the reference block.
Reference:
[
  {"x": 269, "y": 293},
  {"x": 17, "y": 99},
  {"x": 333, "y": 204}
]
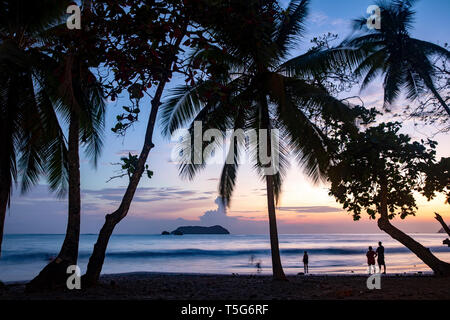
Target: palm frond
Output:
[
  {"x": 31, "y": 17},
  {"x": 428, "y": 48},
  {"x": 371, "y": 67},
  {"x": 212, "y": 116},
  {"x": 229, "y": 171},
  {"x": 182, "y": 105},
  {"x": 292, "y": 25},
  {"x": 393, "y": 81},
  {"x": 305, "y": 140},
  {"x": 414, "y": 85}
]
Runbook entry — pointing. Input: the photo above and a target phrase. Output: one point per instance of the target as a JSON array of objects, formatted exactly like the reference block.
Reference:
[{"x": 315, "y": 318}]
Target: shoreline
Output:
[
  {"x": 183, "y": 286},
  {"x": 417, "y": 273}
]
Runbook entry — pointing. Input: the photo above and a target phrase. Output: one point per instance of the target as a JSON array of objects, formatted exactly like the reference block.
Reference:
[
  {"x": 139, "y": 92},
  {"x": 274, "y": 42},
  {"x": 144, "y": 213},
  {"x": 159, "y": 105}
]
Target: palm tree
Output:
[
  {"x": 259, "y": 90},
  {"x": 403, "y": 61},
  {"x": 28, "y": 122},
  {"x": 39, "y": 89},
  {"x": 377, "y": 171},
  {"x": 79, "y": 99}
]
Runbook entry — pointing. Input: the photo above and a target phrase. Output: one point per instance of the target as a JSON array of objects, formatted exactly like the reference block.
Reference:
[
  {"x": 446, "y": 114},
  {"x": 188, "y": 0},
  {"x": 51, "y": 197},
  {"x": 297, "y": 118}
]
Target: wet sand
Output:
[{"x": 156, "y": 286}]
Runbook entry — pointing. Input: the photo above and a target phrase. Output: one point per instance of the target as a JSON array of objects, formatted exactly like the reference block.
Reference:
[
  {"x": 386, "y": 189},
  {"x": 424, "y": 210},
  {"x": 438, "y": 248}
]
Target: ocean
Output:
[{"x": 25, "y": 255}]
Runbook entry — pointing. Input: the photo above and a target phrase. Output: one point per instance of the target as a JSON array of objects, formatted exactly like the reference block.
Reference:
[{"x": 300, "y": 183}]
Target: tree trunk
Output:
[
  {"x": 442, "y": 222},
  {"x": 55, "y": 273},
  {"x": 6, "y": 177},
  {"x": 69, "y": 250},
  {"x": 277, "y": 268},
  {"x": 440, "y": 268},
  {"x": 97, "y": 258},
  {"x": 441, "y": 101},
  {"x": 5, "y": 189}
]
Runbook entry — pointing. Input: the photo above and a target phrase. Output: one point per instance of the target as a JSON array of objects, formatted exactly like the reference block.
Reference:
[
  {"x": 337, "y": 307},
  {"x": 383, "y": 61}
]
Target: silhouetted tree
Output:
[
  {"x": 403, "y": 61},
  {"x": 144, "y": 47},
  {"x": 259, "y": 89},
  {"x": 377, "y": 171},
  {"x": 77, "y": 96},
  {"x": 28, "y": 122}
]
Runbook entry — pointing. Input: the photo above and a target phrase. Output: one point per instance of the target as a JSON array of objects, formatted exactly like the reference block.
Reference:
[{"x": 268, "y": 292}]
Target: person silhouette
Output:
[
  {"x": 305, "y": 262},
  {"x": 380, "y": 257},
  {"x": 371, "y": 259}
]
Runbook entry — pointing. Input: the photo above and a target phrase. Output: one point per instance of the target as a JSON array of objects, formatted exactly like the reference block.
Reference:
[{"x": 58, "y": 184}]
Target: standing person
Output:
[
  {"x": 371, "y": 259},
  {"x": 305, "y": 262},
  {"x": 380, "y": 258}
]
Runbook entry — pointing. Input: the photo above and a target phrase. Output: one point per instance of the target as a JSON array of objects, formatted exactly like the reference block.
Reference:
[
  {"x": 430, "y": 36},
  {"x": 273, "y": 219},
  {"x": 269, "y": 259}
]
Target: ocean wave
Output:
[{"x": 136, "y": 254}]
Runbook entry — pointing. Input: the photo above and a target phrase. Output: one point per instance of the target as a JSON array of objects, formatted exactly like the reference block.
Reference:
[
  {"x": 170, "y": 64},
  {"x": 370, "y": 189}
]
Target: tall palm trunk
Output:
[
  {"x": 7, "y": 122},
  {"x": 277, "y": 268},
  {"x": 5, "y": 188},
  {"x": 69, "y": 249},
  {"x": 55, "y": 273},
  {"x": 439, "y": 267}
]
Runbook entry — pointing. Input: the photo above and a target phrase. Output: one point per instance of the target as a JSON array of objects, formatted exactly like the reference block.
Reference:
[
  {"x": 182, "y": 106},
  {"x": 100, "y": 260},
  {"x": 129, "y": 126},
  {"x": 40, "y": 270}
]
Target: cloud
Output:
[
  {"x": 247, "y": 211},
  {"x": 198, "y": 198},
  {"x": 340, "y": 22},
  {"x": 311, "y": 209},
  {"x": 126, "y": 152},
  {"x": 149, "y": 194},
  {"x": 235, "y": 224},
  {"x": 318, "y": 18},
  {"x": 218, "y": 216},
  {"x": 41, "y": 212}
]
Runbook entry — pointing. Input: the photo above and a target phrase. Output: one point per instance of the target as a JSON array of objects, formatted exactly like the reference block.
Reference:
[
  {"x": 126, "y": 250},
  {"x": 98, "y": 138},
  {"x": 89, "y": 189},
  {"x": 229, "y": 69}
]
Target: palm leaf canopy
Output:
[
  {"x": 23, "y": 105},
  {"x": 259, "y": 90},
  {"x": 391, "y": 52},
  {"x": 38, "y": 90}
]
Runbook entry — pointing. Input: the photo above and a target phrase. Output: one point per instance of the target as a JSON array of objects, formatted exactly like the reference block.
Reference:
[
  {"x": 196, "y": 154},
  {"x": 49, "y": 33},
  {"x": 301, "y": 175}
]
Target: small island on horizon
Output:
[{"x": 197, "y": 230}]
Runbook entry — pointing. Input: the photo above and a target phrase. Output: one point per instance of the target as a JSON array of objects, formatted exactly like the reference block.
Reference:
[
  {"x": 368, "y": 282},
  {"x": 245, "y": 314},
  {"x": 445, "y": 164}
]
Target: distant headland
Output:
[{"x": 198, "y": 230}]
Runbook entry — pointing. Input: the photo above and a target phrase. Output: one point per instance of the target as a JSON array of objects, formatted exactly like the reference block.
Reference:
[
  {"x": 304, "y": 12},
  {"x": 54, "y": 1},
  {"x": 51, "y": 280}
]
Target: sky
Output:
[{"x": 166, "y": 201}]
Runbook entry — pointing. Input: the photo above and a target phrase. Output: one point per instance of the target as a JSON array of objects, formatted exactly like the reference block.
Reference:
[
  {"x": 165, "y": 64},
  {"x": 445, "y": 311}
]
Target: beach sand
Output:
[{"x": 243, "y": 287}]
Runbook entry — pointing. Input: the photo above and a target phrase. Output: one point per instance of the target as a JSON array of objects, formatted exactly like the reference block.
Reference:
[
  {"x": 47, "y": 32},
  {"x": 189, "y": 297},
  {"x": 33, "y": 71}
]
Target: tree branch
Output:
[{"x": 442, "y": 222}]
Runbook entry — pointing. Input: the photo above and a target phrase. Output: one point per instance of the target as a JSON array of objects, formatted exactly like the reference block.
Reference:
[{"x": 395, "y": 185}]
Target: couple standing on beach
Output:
[{"x": 379, "y": 254}]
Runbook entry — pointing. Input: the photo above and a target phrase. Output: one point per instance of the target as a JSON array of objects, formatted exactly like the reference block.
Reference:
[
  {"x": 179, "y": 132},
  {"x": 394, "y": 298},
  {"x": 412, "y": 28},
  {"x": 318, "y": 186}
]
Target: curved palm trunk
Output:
[
  {"x": 439, "y": 218},
  {"x": 97, "y": 258},
  {"x": 439, "y": 267},
  {"x": 54, "y": 273},
  {"x": 441, "y": 101},
  {"x": 277, "y": 268}
]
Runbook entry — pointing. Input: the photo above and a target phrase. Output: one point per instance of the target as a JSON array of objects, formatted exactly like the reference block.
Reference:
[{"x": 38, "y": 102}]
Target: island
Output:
[{"x": 200, "y": 230}]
